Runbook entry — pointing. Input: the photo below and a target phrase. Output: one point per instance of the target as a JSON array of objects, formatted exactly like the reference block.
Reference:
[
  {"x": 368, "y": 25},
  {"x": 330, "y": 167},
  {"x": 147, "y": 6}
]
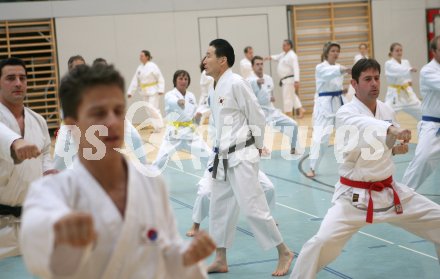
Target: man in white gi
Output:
[
  {"x": 180, "y": 134},
  {"x": 288, "y": 72},
  {"x": 24, "y": 151},
  {"x": 103, "y": 218},
  {"x": 246, "y": 70},
  {"x": 427, "y": 155},
  {"x": 366, "y": 189},
  {"x": 205, "y": 83},
  {"x": 202, "y": 202},
  {"x": 150, "y": 84},
  {"x": 239, "y": 123},
  {"x": 65, "y": 147},
  {"x": 74, "y": 61},
  {"x": 262, "y": 85}
]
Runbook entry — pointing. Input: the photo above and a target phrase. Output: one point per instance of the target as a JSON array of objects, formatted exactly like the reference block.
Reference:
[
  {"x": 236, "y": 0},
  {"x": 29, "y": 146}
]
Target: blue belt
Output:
[
  {"x": 430, "y": 118},
  {"x": 331, "y": 94}
]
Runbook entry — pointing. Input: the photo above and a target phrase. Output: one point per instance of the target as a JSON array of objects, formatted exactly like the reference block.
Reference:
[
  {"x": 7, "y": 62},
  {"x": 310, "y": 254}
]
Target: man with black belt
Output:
[
  {"x": 427, "y": 156},
  {"x": 288, "y": 72},
  {"x": 24, "y": 151},
  {"x": 366, "y": 192},
  {"x": 239, "y": 124}
]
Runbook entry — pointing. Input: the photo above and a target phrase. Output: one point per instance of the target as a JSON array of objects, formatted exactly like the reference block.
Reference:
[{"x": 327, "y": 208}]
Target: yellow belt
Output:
[
  {"x": 178, "y": 124},
  {"x": 399, "y": 88},
  {"x": 146, "y": 85}
]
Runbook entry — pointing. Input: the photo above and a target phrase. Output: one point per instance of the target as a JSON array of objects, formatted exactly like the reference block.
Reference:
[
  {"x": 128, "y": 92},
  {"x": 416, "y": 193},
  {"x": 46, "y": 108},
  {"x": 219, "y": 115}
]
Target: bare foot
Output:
[
  {"x": 300, "y": 112},
  {"x": 193, "y": 230},
  {"x": 284, "y": 263},
  {"x": 289, "y": 114},
  {"x": 311, "y": 173},
  {"x": 218, "y": 267}
]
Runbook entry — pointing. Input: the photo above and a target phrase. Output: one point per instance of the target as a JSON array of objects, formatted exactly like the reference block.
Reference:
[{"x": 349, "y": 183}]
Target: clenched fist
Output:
[
  {"x": 201, "y": 247},
  {"x": 75, "y": 229},
  {"x": 22, "y": 150}
]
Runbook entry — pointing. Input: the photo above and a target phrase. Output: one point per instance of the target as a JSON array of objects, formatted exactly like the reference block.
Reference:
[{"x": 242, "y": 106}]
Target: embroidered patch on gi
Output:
[
  {"x": 221, "y": 100},
  {"x": 355, "y": 197}
]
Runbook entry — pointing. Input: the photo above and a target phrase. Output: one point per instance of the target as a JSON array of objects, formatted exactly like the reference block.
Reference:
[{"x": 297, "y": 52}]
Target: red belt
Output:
[{"x": 377, "y": 186}]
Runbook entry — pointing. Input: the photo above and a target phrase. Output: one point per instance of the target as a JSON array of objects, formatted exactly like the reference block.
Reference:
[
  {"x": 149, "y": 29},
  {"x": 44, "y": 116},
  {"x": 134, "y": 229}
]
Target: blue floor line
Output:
[{"x": 337, "y": 273}]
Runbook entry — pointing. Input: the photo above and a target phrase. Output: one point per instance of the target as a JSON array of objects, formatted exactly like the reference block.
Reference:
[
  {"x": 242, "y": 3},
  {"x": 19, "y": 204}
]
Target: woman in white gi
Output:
[
  {"x": 367, "y": 192},
  {"x": 103, "y": 218},
  {"x": 239, "y": 123},
  {"x": 288, "y": 72},
  {"x": 24, "y": 151},
  {"x": 400, "y": 94},
  {"x": 149, "y": 83},
  {"x": 427, "y": 155},
  {"x": 181, "y": 107},
  {"x": 363, "y": 53},
  {"x": 329, "y": 98}
]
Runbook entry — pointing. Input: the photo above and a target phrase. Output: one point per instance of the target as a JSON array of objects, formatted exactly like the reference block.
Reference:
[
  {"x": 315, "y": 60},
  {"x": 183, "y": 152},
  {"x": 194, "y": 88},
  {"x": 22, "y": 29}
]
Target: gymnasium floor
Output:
[{"x": 377, "y": 251}]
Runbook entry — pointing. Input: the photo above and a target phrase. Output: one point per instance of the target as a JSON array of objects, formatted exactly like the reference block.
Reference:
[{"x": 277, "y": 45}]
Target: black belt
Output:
[
  {"x": 231, "y": 149},
  {"x": 10, "y": 210},
  {"x": 281, "y": 80}
]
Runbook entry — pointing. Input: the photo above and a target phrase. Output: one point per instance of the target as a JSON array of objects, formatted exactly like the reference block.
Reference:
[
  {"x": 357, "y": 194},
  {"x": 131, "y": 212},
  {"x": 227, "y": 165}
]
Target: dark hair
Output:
[
  {"x": 83, "y": 77},
  {"x": 289, "y": 42},
  {"x": 256, "y": 57},
  {"x": 179, "y": 73},
  {"x": 99, "y": 60},
  {"x": 223, "y": 48},
  {"x": 433, "y": 45},
  {"x": 12, "y": 61},
  {"x": 202, "y": 67},
  {"x": 147, "y": 54},
  {"x": 326, "y": 49},
  {"x": 393, "y": 45},
  {"x": 246, "y": 49},
  {"x": 73, "y": 59},
  {"x": 362, "y": 65}
]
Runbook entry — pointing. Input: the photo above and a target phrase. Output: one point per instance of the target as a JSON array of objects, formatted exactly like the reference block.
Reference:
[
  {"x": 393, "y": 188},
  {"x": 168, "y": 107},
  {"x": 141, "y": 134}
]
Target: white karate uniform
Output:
[
  {"x": 148, "y": 82},
  {"x": 398, "y": 75},
  {"x": 179, "y": 137},
  {"x": 420, "y": 215},
  {"x": 288, "y": 65},
  {"x": 351, "y": 91},
  {"x": 203, "y": 108},
  {"x": 16, "y": 178},
  {"x": 328, "y": 79},
  {"x": 202, "y": 202},
  {"x": 274, "y": 117},
  {"x": 246, "y": 70},
  {"x": 238, "y": 117},
  {"x": 124, "y": 247},
  {"x": 66, "y": 148},
  {"x": 427, "y": 155}
]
